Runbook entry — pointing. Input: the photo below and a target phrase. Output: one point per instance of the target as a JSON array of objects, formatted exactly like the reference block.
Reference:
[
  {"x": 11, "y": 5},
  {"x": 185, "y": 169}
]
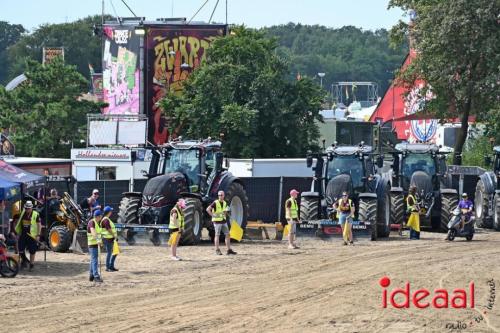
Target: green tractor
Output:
[
  {"x": 487, "y": 198},
  {"x": 351, "y": 169},
  {"x": 192, "y": 170},
  {"x": 424, "y": 166}
]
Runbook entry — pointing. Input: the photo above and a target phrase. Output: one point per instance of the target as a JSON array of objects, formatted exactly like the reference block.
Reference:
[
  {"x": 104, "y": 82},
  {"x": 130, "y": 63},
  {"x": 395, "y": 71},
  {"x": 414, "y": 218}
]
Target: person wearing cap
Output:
[
  {"x": 466, "y": 206},
  {"x": 292, "y": 217},
  {"x": 28, "y": 229},
  {"x": 176, "y": 224},
  {"x": 346, "y": 210},
  {"x": 413, "y": 210},
  {"x": 93, "y": 242},
  {"x": 109, "y": 234},
  {"x": 93, "y": 201},
  {"x": 218, "y": 211}
]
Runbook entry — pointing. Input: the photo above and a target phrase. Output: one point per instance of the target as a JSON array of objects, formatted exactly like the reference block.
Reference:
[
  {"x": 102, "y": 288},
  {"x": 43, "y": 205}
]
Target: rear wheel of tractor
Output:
[
  {"x": 60, "y": 238},
  {"x": 193, "y": 222},
  {"x": 496, "y": 213},
  {"x": 129, "y": 209},
  {"x": 237, "y": 200},
  {"x": 368, "y": 212},
  {"x": 384, "y": 214},
  {"x": 482, "y": 202},
  {"x": 449, "y": 201},
  {"x": 397, "y": 208},
  {"x": 309, "y": 208}
]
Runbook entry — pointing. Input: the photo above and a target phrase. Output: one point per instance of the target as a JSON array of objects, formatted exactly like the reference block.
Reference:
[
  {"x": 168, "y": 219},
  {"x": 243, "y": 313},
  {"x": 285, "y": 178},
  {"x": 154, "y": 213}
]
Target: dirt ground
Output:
[{"x": 322, "y": 287}]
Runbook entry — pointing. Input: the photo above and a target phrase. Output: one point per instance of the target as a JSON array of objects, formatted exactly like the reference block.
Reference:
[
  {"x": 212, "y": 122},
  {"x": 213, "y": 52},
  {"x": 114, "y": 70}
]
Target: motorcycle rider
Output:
[{"x": 465, "y": 205}]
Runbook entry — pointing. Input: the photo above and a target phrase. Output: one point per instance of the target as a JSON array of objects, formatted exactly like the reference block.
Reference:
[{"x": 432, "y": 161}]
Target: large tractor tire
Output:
[
  {"x": 398, "y": 208},
  {"x": 237, "y": 200},
  {"x": 193, "y": 222},
  {"x": 482, "y": 202},
  {"x": 496, "y": 213},
  {"x": 309, "y": 208},
  {"x": 129, "y": 209},
  {"x": 60, "y": 238},
  {"x": 449, "y": 201},
  {"x": 384, "y": 214},
  {"x": 368, "y": 212}
]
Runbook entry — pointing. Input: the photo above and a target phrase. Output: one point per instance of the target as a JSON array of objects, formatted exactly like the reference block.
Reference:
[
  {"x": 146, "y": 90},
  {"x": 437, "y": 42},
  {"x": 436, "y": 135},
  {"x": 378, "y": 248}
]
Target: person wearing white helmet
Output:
[
  {"x": 292, "y": 217},
  {"x": 28, "y": 229},
  {"x": 176, "y": 224}
]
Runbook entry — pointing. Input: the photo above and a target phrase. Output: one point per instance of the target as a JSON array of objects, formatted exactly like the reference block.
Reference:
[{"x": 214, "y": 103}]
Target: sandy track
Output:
[{"x": 323, "y": 287}]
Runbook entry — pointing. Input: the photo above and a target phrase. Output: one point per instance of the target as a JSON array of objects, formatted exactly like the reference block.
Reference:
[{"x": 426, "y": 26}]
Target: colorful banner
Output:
[
  {"x": 173, "y": 52},
  {"x": 97, "y": 86},
  {"x": 120, "y": 78}
]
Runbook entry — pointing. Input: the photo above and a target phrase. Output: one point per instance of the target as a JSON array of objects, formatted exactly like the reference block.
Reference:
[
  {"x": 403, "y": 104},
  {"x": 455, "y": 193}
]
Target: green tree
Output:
[
  {"x": 244, "y": 92},
  {"x": 458, "y": 44},
  {"x": 343, "y": 54},
  {"x": 47, "y": 115},
  {"x": 9, "y": 35},
  {"x": 81, "y": 47}
]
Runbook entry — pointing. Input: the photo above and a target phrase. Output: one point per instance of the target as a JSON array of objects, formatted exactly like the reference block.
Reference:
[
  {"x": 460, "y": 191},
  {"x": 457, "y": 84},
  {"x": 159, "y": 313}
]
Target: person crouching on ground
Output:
[
  {"x": 346, "y": 210},
  {"x": 412, "y": 208},
  {"x": 28, "y": 229},
  {"x": 93, "y": 242},
  {"x": 292, "y": 218},
  {"x": 109, "y": 234},
  {"x": 176, "y": 224},
  {"x": 218, "y": 210}
]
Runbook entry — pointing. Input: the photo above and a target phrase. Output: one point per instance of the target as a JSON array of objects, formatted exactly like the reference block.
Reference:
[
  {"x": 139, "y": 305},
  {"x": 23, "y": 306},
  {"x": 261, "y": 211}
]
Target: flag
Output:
[
  {"x": 173, "y": 238},
  {"x": 236, "y": 231},
  {"x": 286, "y": 231},
  {"x": 116, "y": 248}
]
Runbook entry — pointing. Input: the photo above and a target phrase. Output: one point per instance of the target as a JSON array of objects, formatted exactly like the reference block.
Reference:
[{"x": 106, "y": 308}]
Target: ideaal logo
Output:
[
  {"x": 423, "y": 298},
  {"x": 440, "y": 299}
]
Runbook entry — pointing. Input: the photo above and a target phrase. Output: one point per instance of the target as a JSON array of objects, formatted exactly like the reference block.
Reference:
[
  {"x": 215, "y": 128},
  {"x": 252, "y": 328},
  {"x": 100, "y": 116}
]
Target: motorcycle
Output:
[
  {"x": 9, "y": 266},
  {"x": 454, "y": 225}
]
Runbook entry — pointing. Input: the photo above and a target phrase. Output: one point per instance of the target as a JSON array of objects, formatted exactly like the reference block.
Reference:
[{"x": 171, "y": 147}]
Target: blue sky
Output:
[{"x": 366, "y": 14}]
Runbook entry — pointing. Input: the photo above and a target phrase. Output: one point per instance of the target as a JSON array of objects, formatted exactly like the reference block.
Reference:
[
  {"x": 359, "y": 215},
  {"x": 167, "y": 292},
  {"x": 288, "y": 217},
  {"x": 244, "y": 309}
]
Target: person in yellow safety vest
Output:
[
  {"x": 346, "y": 210},
  {"x": 176, "y": 224},
  {"x": 292, "y": 217},
  {"x": 109, "y": 234},
  {"x": 218, "y": 211},
  {"x": 412, "y": 208},
  {"x": 28, "y": 229},
  {"x": 94, "y": 241}
]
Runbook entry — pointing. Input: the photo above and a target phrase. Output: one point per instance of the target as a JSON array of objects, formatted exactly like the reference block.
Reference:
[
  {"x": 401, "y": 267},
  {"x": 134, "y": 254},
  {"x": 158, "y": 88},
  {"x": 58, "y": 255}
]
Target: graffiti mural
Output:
[
  {"x": 422, "y": 129},
  {"x": 121, "y": 71},
  {"x": 173, "y": 52}
]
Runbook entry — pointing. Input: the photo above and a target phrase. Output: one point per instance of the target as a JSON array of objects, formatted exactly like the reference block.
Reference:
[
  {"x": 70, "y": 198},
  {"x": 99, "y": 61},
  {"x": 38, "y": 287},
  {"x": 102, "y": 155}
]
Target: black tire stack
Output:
[
  {"x": 368, "y": 212},
  {"x": 193, "y": 222},
  {"x": 482, "y": 202},
  {"x": 129, "y": 209},
  {"x": 449, "y": 201}
]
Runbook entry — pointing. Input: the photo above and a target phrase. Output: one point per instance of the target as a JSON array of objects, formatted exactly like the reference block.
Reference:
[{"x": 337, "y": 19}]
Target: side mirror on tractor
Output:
[{"x": 219, "y": 160}]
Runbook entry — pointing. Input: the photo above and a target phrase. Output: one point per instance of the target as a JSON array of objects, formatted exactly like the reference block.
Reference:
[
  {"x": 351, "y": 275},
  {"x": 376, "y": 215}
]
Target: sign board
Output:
[
  {"x": 49, "y": 53},
  {"x": 121, "y": 155},
  {"x": 7, "y": 147},
  {"x": 117, "y": 132},
  {"x": 97, "y": 85}
]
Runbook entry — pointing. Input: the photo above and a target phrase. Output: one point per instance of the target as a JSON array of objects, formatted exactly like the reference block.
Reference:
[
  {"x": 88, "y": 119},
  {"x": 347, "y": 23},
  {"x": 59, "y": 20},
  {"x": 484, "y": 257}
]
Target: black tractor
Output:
[
  {"x": 487, "y": 198},
  {"x": 192, "y": 170},
  {"x": 351, "y": 169},
  {"x": 422, "y": 165}
]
